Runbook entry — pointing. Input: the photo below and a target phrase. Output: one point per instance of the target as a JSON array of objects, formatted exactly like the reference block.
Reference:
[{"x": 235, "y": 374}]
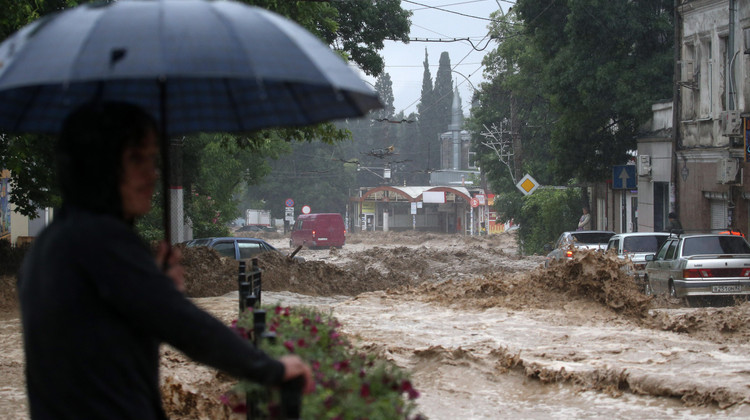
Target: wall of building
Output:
[
  {"x": 712, "y": 72},
  {"x": 650, "y": 204},
  {"x": 699, "y": 186}
]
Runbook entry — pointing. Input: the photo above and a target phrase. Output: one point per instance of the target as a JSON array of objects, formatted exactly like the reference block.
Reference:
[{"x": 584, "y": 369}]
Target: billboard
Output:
[{"x": 433, "y": 197}]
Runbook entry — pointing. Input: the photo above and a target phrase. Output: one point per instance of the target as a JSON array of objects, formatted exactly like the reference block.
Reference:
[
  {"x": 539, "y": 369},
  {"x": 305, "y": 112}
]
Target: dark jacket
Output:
[{"x": 95, "y": 309}]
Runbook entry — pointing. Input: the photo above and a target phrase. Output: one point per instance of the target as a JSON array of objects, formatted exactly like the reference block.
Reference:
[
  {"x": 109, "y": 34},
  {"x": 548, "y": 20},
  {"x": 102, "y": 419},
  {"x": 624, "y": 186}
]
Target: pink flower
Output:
[
  {"x": 301, "y": 343},
  {"x": 339, "y": 366},
  {"x": 278, "y": 309},
  {"x": 364, "y": 390},
  {"x": 314, "y": 330},
  {"x": 289, "y": 346},
  {"x": 409, "y": 389}
]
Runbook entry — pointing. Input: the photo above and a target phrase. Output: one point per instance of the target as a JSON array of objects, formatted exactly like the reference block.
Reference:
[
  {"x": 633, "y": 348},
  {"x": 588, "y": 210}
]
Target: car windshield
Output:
[
  {"x": 198, "y": 242},
  {"x": 720, "y": 244},
  {"x": 643, "y": 243},
  {"x": 591, "y": 237}
]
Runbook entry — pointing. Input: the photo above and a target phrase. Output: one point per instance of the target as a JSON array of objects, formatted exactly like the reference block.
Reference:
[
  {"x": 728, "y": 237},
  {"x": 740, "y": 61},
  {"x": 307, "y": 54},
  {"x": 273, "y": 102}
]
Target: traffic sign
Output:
[
  {"x": 306, "y": 209},
  {"x": 623, "y": 177},
  {"x": 527, "y": 184},
  {"x": 289, "y": 202},
  {"x": 474, "y": 202}
]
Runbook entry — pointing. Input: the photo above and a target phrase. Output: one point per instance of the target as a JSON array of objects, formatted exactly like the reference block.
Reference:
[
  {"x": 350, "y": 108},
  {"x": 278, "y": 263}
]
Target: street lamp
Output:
[{"x": 467, "y": 79}]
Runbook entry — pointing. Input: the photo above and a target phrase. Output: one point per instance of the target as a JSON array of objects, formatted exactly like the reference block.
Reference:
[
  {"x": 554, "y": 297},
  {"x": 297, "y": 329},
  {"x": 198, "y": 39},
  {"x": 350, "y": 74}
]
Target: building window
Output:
[
  {"x": 705, "y": 78},
  {"x": 690, "y": 81}
]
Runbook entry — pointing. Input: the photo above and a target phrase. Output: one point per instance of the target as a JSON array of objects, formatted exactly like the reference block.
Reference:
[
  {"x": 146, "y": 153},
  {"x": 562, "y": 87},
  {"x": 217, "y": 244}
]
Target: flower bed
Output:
[{"x": 349, "y": 384}]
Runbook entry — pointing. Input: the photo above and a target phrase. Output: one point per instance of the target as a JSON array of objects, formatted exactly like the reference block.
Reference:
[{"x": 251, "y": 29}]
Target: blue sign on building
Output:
[{"x": 624, "y": 178}]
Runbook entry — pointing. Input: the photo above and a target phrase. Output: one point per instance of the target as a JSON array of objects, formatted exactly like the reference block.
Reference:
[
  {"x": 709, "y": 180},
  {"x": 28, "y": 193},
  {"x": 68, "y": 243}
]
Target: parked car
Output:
[
  {"x": 635, "y": 246},
  {"x": 237, "y": 248},
  {"x": 569, "y": 242},
  {"x": 318, "y": 230},
  {"x": 695, "y": 266}
]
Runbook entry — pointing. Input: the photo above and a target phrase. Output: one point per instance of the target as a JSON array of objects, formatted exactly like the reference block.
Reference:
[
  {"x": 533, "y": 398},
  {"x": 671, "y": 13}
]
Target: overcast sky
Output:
[{"x": 440, "y": 19}]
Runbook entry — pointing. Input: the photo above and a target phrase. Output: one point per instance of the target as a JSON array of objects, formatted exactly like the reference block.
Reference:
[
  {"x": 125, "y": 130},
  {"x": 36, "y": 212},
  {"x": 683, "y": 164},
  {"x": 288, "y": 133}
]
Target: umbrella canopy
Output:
[{"x": 196, "y": 65}]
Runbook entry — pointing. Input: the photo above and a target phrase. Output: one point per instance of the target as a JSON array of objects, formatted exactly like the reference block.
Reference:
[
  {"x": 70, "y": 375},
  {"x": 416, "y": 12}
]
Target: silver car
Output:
[
  {"x": 569, "y": 242},
  {"x": 634, "y": 246},
  {"x": 700, "y": 265}
]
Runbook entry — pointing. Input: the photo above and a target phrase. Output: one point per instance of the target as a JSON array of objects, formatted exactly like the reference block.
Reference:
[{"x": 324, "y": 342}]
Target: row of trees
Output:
[{"x": 575, "y": 81}]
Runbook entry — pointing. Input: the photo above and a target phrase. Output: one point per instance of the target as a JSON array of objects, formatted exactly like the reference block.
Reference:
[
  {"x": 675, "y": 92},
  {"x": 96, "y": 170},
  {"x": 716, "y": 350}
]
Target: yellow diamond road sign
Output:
[{"x": 527, "y": 184}]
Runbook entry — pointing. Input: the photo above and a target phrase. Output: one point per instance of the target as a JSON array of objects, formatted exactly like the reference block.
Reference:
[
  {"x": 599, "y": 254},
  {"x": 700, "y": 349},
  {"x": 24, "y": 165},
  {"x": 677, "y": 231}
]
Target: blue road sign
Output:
[
  {"x": 289, "y": 202},
  {"x": 623, "y": 177}
]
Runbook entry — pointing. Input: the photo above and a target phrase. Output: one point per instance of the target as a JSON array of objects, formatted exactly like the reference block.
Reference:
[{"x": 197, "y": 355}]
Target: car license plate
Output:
[
  {"x": 726, "y": 289},
  {"x": 322, "y": 239}
]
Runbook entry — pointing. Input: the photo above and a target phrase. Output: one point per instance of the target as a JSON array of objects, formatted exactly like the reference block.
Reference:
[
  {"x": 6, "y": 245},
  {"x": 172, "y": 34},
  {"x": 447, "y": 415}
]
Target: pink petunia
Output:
[
  {"x": 289, "y": 345},
  {"x": 364, "y": 390}
]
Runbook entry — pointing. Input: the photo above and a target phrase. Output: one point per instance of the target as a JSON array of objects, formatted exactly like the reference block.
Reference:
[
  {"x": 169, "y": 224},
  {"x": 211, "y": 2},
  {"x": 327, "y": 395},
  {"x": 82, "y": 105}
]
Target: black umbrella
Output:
[{"x": 196, "y": 65}]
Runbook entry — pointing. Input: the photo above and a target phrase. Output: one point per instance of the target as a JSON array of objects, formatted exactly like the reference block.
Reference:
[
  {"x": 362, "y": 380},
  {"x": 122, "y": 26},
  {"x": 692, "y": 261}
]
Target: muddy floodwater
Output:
[{"x": 486, "y": 333}]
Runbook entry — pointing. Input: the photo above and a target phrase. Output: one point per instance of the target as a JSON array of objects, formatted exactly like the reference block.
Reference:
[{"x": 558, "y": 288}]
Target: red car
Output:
[{"x": 319, "y": 230}]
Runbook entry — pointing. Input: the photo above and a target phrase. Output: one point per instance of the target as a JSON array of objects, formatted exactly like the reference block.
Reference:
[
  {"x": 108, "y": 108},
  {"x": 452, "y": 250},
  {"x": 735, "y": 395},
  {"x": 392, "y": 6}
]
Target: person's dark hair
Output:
[{"x": 90, "y": 149}]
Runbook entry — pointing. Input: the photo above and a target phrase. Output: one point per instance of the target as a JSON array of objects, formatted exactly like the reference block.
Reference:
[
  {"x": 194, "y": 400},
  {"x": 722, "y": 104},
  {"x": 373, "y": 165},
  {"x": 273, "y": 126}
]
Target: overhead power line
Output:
[
  {"x": 450, "y": 40},
  {"x": 448, "y": 11}
]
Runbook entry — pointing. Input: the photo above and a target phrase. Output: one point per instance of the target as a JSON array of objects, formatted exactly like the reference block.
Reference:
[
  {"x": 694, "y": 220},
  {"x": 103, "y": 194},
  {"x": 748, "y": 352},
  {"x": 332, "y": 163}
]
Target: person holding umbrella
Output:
[{"x": 95, "y": 305}]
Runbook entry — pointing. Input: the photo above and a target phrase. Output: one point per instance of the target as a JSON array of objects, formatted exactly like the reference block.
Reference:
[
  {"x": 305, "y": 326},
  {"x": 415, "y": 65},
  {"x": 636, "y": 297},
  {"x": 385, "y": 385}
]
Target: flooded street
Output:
[{"x": 486, "y": 333}]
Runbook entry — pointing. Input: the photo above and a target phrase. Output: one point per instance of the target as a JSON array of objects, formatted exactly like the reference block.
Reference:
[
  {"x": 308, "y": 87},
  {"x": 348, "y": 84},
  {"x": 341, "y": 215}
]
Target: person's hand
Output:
[
  {"x": 294, "y": 367},
  {"x": 168, "y": 258}
]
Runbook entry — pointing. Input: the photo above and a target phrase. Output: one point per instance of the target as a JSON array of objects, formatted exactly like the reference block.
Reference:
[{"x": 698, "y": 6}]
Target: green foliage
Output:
[
  {"x": 313, "y": 174},
  {"x": 545, "y": 214},
  {"x": 600, "y": 64},
  {"x": 434, "y": 110},
  {"x": 349, "y": 384},
  {"x": 33, "y": 183}
]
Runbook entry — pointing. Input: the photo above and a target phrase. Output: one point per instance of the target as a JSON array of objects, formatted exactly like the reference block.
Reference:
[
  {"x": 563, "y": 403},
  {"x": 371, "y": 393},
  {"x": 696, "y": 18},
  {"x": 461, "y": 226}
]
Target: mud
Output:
[{"x": 487, "y": 333}]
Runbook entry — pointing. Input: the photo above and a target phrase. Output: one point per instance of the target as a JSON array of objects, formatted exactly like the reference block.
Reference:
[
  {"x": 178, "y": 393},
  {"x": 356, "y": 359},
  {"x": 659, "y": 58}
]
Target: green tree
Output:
[
  {"x": 428, "y": 125},
  {"x": 546, "y": 213},
  {"x": 313, "y": 174},
  {"x": 443, "y": 93},
  {"x": 601, "y": 64},
  {"x": 512, "y": 102}
]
